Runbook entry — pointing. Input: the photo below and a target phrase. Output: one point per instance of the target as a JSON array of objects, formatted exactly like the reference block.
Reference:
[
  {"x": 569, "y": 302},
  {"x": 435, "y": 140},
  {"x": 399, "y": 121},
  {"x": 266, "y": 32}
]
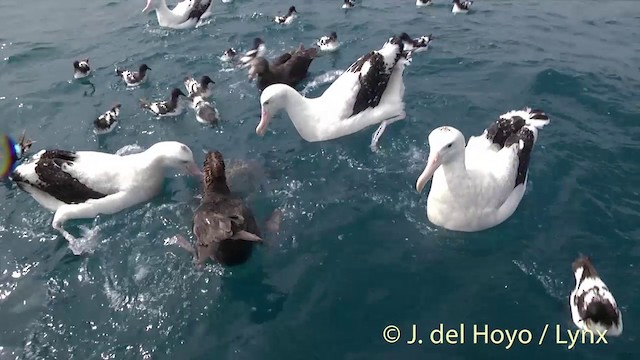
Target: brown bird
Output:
[
  {"x": 224, "y": 227},
  {"x": 290, "y": 68}
]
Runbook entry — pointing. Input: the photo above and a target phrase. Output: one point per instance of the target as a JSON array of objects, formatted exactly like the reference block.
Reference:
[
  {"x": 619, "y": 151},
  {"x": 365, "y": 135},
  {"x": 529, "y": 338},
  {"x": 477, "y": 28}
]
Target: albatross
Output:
[
  {"x": 369, "y": 92},
  {"x": 185, "y": 15},
  {"x": 480, "y": 186},
  {"x": 84, "y": 184}
]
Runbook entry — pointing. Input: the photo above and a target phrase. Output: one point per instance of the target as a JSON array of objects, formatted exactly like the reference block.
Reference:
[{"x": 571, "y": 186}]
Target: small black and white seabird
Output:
[
  {"x": 81, "y": 69},
  {"x": 593, "y": 307},
  {"x": 258, "y": 50},
  {"x": 134, "y": 78},
  {"x": 206, "y": 113},
  {"x": 171, "y": 107},
  {"x": 348, "y": 4},
  {"x": 420, "y": 3},
  {"x": 228, "y": 55},
  {"x": 198, "y": 88},
  {"x": 415, "y": 45},
  {"x": 461, "y": 7},
  {"x": 106, "y": 122},
  {"x": 329, "y": 42},
  {"x": 287, "y": 19}
]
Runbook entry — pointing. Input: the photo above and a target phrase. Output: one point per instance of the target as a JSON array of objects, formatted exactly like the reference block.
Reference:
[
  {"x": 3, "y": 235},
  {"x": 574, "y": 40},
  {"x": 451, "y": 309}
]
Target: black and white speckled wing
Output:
[
  {"x": 160, "y": 108},
  {"x": 373, "y": 72},
  {"x": 199, "y": 8},
  {"x": 591, "y": 299},
  {"x": 71, "y": 177},
  {"x": 192, "y": 86},
  {"x": 323, "y": 41},
  {"x": 506, "y": 145},
  {"x": 205, "y": 112},
  {"x": 106, "y": 122},
  {"x": 131, "y": 77}
]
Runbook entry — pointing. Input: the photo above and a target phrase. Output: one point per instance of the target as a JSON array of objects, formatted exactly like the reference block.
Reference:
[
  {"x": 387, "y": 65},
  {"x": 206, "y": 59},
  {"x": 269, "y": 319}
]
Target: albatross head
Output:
[
  {"x": 176, "y": 155},
  {"x": 272, "y": 99},
  {"x": 151, "y": 5},
  {"x": 445, "y": 144}
]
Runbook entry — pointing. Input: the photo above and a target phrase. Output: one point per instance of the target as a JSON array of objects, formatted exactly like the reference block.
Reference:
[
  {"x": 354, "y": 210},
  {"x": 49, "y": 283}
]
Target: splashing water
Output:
[
  {"x": 129, "y": 149},
  {"x": 325, "y": 78},
  {"x": 87, "y": 242}
]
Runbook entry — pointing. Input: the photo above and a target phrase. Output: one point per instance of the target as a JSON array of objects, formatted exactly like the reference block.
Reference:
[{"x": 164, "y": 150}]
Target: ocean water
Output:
[{"x": 355, "y": 252}]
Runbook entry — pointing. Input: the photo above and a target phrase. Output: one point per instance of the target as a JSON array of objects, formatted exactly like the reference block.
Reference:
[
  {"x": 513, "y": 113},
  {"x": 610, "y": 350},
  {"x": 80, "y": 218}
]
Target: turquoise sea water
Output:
[{"x": 355, "y": 252}]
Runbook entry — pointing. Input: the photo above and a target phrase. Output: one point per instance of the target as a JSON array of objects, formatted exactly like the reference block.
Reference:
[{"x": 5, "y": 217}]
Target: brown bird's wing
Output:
[{"x": 281, "y": 59}]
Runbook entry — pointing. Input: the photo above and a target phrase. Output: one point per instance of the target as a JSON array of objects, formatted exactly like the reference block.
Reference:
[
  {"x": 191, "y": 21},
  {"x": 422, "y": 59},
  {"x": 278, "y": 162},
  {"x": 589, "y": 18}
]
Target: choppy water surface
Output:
[{"x": 355, "y": 252}]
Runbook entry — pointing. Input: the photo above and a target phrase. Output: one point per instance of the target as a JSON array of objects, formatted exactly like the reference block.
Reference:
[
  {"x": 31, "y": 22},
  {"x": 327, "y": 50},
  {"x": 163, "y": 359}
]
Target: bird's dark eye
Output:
[
  {"x": 450, "y": 145},
  {"x": 266, "y": 102}
]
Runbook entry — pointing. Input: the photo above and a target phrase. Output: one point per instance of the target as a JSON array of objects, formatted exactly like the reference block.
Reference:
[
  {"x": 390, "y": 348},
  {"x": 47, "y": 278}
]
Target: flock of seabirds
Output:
[{"x": 475, "y": 185}]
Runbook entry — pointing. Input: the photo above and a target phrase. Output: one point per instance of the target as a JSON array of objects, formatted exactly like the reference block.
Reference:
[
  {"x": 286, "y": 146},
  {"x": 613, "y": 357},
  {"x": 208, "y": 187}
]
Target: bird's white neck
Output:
[
  {"x": 578, "y": 275},
  {"x": 147, "y": 159},
  {"x": 455, "y": 170},
  {"x": 301, "y": 112}
]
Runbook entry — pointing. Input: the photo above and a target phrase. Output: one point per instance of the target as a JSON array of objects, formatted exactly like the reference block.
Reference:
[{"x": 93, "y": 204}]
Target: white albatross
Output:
[
  {"x": 84, "y": 184},
  {"x": 369, "y": 92},
  {"x": 480, "y": 186},
  {"x": 186, "y": 14},
  {"x": 593, "y": 307}
]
